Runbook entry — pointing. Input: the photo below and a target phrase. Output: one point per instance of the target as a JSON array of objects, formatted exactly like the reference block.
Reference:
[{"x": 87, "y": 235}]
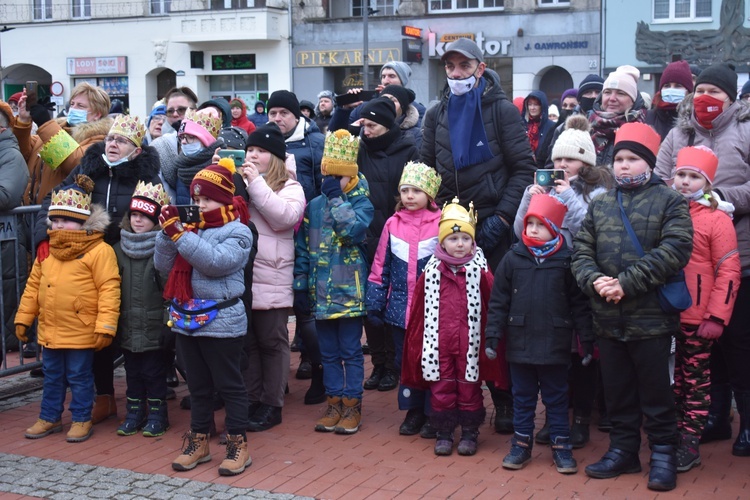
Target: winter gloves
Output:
[
  {"x": 375, "y": 319},
  {"x": 40, "y": 113},
  {"x": 301, "y": 302},
  {"x": 491, "y": 342},
  {"x": 21, "y": 333},
  {"x": 331, "y": 187},
  {"x": 710, "y": 330},
  {"x": 491, "y": 233},
  {"x": 102, "y": 340},
  {"x": 42, "y": 250},
  {"x": 170, "y": 222}
]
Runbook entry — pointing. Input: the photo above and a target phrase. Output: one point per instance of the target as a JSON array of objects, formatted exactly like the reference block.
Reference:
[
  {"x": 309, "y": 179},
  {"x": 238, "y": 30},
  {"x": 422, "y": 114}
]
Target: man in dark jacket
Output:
[{"x": 476, "y": 140}]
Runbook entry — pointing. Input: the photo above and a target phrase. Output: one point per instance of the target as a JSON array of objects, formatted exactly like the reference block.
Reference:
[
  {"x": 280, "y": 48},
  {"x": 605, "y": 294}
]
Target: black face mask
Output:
[
  {"x": 587, "y": 103},
  {"x": 176, "y": 125},
  {"x": 564, "y": 114}
]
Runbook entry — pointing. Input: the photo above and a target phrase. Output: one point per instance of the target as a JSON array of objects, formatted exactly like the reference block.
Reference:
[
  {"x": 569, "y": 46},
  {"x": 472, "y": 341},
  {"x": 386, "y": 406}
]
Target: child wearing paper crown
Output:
[
  {"x": 75, "y": 292},
  {"x": 406, "y": 244},
  {"x": 205, "y": 262},
  {"x": 329, "y": 278},
  {"x": 713, "y": 277},
  {"x": 141, "y": 320},
  {"x": 444, "y": 346},
  {"x": 536, "y": 271},
  {"x": 633, "y": 331}
]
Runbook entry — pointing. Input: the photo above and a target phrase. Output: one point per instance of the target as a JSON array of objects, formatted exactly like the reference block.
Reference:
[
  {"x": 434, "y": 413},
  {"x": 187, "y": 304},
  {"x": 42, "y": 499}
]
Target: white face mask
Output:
[
  {"x": 673, "y": 96},
  {"x": 461, "y": 86},
  {"x": 691, "y": 196},
  {"x": 116, "y": 162},
  {"x": 192, "y": 149}
]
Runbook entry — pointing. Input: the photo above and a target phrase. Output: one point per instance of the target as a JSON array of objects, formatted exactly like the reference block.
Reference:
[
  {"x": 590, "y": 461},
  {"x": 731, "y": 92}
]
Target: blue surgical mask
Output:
[
  {"x": 192, "y": 149},
  {"x": 116, "y": 162},
  {"x": 77, "y": 116},
  {"x": 673, "y": 96}
]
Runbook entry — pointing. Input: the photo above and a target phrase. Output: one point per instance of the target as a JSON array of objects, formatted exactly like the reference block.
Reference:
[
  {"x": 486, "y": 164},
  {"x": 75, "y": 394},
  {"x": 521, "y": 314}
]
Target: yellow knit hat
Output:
[
  {"x": 456, "y": 219},
  {"x": 340, "y": 154}
]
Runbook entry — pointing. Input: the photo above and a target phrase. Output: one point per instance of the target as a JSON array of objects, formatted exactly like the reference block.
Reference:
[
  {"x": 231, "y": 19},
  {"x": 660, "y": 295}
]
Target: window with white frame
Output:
[
  {"x": 161, "y": 7},
  {"x": 377, "y": 7},
  {"x": 554, "y": 3},
  {"x": 441, "y": 6},
  {"x": 682, "y": 10},
  {"x": 80, "y": 9},
  {"x": 42, "y": 10}
]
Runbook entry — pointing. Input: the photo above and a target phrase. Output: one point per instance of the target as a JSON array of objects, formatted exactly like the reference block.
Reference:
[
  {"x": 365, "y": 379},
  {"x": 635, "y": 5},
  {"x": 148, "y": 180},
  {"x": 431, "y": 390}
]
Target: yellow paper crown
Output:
[
  {"x": 456, "y": 219},
  {"x": 73, "y": 201},
  {"x": 208, "y": 122},
  {"x": 340, "y": 154},
  {"x": 129, "y": 127},
  {"x": 421, "y": 176},
  {"x": 153, "y": 192}
]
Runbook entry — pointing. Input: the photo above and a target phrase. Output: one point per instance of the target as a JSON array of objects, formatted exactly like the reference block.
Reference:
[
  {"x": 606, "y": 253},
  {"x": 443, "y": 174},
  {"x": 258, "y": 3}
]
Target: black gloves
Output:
[
  {"x": 491, "y": 232},
  {"x": 375, "y": 319},
  {"x": 490, "y": 346},
  {"x": 167, "y": 339},
  {"x": 331, "y": 187},
  {"x": 301, "y": 302},
  {"x": 40, "y": 113},
  {"x": 588, "y": 353}
]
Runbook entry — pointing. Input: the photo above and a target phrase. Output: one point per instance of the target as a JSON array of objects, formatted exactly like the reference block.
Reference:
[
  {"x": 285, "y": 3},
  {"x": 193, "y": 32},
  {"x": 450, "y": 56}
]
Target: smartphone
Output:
[
  {"x": 32, "y": 94},
  {"x": 237, "y": 155},
  {"x": 547, "y": 177},
  {"x": 189, "y": 214},
  {"x": 365, "y": 95}
]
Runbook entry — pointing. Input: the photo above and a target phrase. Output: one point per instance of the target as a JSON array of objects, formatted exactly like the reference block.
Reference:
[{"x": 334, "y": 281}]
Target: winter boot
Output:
[
  {"x": 351, "y": 417},
  {"x": 563, "y": 456},
  {"x": 520, "y": 452},
  {"x": 412, "y": 424},
  {"x": 579, "y": 431},
  {"x": 389, "y": 381},
  {"x": 158, "y": 419},
  {"x": 444, "y": 443},
  {"x": 304, "y": 370},
  {"x": 378, "y": 372},
  {"x": 741, "y": 447},
  {"x": 135, "y": 417},
  {"x": 428, "y": 431},
  {"x": 614, "y": 463},
  {"x": 79, "y": 432},
  {"x": 542, "y": 437},
  {"x": 470, "y": 422},
  {"x": 238, "y": 457},
  {"x": 316, "y": 394},
  {"x": 264, "y": 418},
  {"x": 195, "y": 451},
  {"x": 688, "y": 455},
  {"x": 663, "y": 474},
  {"x": 717, "y": 426},
  {"x": 328, "y": 422},
  {"x": 104, "y": 408},
  {"x": 43, "y": 428},
  {"x": 503, "y": 401}
]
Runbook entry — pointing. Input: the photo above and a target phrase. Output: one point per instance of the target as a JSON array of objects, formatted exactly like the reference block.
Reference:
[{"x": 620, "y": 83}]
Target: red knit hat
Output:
[
  {"x": 548, "y": 209},
  {"x": 639, "y": 138},
  {"x": 698, "y": 159},
  {"x": 215, "y": 182},
  {"x": 677, "y": 72}
]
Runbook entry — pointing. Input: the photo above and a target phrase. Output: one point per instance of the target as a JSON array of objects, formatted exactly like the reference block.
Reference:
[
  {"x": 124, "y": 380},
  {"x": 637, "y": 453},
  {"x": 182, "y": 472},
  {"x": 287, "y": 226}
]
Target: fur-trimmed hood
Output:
[
  {"x": 686, "y": 122},
  {"x": 411, "y": 118},
  {"x": 143, "y": 167},
  {"x": 86, "y": 130},
  {"x": 98, "y": 221}
]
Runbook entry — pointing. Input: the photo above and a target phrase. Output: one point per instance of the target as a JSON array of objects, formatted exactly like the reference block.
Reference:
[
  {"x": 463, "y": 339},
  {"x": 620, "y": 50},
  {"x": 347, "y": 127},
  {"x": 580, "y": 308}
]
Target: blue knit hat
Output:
[{"x": 161, "y": 109}]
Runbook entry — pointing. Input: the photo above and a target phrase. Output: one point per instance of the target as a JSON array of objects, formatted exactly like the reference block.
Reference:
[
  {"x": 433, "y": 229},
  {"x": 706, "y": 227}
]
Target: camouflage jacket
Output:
[{"x": 661, "y": 220}]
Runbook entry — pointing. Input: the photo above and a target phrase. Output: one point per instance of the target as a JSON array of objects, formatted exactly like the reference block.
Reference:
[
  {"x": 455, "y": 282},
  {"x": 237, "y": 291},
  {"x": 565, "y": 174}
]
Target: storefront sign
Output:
[
  {"x": 352, "y": 57},
  {"x": 488, "y": 47},
  {"x": 117, "y": 65},
  {"x": 411, "y": 31},
  {"x": 223, "y": 62},
  {"x": 561, "y": 45}
]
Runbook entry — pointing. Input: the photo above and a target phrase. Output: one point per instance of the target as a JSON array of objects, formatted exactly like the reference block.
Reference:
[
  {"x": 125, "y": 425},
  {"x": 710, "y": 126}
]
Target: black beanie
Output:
[
  {"x": 721, "y": 75},
  {"x": 380, "y": 110},
  {"x": 591, "y": 82},
  {"x": 269, "y": 138},
  {"x": 234, "y": 137},
  {"x": 403, "y": 95},
  {"x": 284, "y": 99}
]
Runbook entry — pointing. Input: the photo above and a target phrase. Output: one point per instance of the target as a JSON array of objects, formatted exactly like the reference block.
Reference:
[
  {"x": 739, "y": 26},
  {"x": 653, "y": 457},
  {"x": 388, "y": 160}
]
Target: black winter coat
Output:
[{"x": 537, "y": 307}]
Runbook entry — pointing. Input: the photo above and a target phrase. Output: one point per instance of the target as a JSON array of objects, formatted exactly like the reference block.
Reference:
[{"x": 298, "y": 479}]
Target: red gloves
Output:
[
  {"x": 170, "y": 222},
  {"x": 42, "y": 251},
  {"x": 710, "y": 330}
]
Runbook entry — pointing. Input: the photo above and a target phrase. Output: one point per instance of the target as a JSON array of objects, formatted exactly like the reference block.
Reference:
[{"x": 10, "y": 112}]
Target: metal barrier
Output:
[{"x": 16, "y": 249}]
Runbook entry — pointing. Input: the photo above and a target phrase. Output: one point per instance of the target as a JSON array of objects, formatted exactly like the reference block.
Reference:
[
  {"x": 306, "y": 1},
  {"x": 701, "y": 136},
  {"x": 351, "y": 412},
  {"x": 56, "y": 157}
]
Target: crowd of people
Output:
[{"x": 617, "y": 280}]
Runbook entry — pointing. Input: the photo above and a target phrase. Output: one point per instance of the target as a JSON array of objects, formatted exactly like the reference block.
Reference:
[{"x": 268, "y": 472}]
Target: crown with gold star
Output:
[
  {"x": 456, "y": 219},
  {"x": 129, "y": 127},
  {"x": 340, "y": 154},
  {"x": 74, "y": 201}
]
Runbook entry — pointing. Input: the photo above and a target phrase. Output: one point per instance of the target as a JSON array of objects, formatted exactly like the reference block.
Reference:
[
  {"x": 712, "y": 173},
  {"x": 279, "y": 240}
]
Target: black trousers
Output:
[
  {"x": 730, "y": 356},
  {"x": 104, "y": 375},
  {"x": 636, "y": 382},
  {"x": 145, "y": 373}
]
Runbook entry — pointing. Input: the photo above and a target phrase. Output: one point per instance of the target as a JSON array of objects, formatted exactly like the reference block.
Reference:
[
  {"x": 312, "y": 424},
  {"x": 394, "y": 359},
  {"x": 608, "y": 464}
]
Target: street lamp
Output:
[
  {"x": 366, "y": 11},
  {"x": 4, "y": 29}
]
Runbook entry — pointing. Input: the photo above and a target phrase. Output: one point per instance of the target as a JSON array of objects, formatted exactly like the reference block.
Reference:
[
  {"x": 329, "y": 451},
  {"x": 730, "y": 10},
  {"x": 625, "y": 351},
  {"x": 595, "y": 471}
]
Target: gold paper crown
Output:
[
  {"x": 73, "y": 201},
  {"x": 340, "y": 154},
  {"x": 129, "y": 127},
  {"x": 455, "y": 218},
  {"x": 208, "y": 122},
  {"x": 421, "y": 176},
  {"x": 153, "y": 192}
]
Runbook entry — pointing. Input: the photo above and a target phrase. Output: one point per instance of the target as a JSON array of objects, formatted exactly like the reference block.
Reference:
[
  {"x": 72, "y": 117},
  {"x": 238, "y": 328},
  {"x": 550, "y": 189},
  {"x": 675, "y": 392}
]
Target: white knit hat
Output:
[
  {"x": 624, "y": 78},
  {"x": 575, "y": 141}
]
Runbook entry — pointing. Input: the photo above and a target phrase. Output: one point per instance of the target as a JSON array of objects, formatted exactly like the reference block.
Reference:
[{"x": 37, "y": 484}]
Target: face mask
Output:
[
  {"x": 77, "y": 116},
  {"x": 673, "y": 96},
  {"x": 587, "y": 103},
  {"x": 176, "y": 125},
  {"x": 707, "y": 109},
  {"x": 691, "y": 196},
  {"x": 633, "y": 181},
  {"x": 461, "y": 86},
  {"x": 116, "y": 162},
  {"x": 192, "y": 149},
  {"x": 564, "y": 114}
]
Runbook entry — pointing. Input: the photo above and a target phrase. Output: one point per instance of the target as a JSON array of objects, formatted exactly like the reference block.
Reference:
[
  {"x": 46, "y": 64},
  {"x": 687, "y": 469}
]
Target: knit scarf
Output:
[
  {"x": 532, "y": 131},
  {"x": 138, "y": 245},
  {"x": 542, "y": 249},
  {"x": 633, "y": 181},
  {"x": 469, "y": 142},
  {"x": 430, "y": 355},
  {"x": 179, "y": 284},
  {"x": 67, "y": 244},
  {"x": 604, "y": 125},
  {"x": 381, "y": 142},
  {"x": 188, "y": 166}
]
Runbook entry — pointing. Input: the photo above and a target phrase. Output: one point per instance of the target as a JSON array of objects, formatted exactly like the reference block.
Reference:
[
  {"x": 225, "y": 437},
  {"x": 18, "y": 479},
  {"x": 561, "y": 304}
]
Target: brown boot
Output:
[
  {"x": 43, "y": 428},
  {"x": 195, "y": 451},
  {"x": 331, "y": 417},
  {"x": 80, "y": 431},
  {"x": 352, "y": 417},
  {"x": 238, "y": 458},
  {"x": 104, "y": 408}
]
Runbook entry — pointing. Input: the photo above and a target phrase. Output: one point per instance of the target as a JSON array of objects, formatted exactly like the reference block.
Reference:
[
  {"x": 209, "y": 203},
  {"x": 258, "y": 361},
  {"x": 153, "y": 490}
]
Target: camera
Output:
[{"x": 547, "y": 177}]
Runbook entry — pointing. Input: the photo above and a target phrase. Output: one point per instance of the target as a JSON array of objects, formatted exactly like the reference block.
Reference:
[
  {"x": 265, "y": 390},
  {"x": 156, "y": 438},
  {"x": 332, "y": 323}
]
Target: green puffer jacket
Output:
[{"x": 661, "y": 220}]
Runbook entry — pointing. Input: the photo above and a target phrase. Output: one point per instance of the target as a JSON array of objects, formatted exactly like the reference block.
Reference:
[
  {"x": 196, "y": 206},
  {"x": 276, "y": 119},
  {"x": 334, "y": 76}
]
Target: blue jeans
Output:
[
  {"x": 528, "y": 380},
  {"x": 341, "y": 354},
  {"x": 65, "y": 368}
]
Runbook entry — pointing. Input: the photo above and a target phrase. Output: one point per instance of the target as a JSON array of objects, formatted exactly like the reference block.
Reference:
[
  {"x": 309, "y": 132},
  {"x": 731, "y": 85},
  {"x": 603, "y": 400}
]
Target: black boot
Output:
[
  {"x": 444, "y": 423},
  {"x": 520, "y": 452},
  {"x": 542, "y": 437},
  {"x": 415, "y": 419},
  {"x": 503, "y": 401},
  {"x": 717, "y": 426},
  {"x": 158, "y": 418},
  {"x": 663, "y": 474},
  {"x": 470, "y": 422},
  {"x": 389, "y": 381},
  {"x": 264, "y": 418},
  {"x": 316, "y": 394},
  {"x": 304, "y": 370},
  {"x": 135, "y": 417},
  {"x": 579, "y": 431},
  {"x": 562, "y": 455},
  {"x": 378, "y": 371},
  {"x": 614, "y": 463},
  {"x": 741, "y": 447}
]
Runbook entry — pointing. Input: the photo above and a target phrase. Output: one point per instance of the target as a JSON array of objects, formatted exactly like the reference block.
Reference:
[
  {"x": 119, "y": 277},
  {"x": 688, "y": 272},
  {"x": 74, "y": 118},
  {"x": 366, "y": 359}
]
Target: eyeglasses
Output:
[
  {"x": 121, "y": 141},
  {"x": 158, "y": 119},
  {"x": 179, "y": 110}
]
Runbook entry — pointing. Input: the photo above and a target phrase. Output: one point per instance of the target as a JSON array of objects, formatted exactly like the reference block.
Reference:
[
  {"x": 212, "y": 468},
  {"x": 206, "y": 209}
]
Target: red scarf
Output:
[
  {"x": 533, "y": 132},
  {"x": 179, "y": 284}
]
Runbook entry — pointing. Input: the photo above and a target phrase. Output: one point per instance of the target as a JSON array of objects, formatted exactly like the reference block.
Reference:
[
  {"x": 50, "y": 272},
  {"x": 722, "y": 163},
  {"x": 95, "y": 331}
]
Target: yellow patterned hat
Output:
[
  {"x": 422, "y": 177},
  {"x": 73, "y": 202},
  {"x": 340, "y": 154},
  {"x": 129, "y": 127},
  {"x": 57, "y": 149},
  {"x": 456, "y": 219},
  {"x": 148, "y": 200}
]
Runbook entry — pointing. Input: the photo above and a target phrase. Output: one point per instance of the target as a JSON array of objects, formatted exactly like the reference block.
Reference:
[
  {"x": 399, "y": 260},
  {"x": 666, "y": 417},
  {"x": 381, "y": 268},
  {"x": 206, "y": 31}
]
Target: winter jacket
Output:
[
  {"x": 662, "y": 119},
  {"x": 410, "y": 122},
  {"x": 713, "y": 273},
  {"x": 243, "y": 122},
  {"x": 660, "y": 218},
  {"x": 73, "y": 141},
  {"x": 258, "y": 119},
  {"x": 546, "y": 127},
  {"x": 322, "y": 121},
  {"x": 14, "y": 175},
  {"x": 495, "y": 186},
  {"x": 113, "y": 187},
  {"x": 218, "y": 256},
  {"x": 406, "y": 244},
  {"x": 306, "y": 144},
  {"x": 537, "y": 306},
  {"x": 331, "y": 263},
  {"x": 142, "y": 306},
  {"x": 275, "y": 214},
  {"x": 381, "y": 160},
  {"x": 166, "y": 147},
  {"x": 730, "y": 140},
  {"x": 77, "y": 298}
]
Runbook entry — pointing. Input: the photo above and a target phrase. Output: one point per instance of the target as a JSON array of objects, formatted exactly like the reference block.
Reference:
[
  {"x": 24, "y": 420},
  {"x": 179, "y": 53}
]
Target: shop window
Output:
[
  {"x": 554, "y": 3},
  {"x": 445, "y": 6},
  {"x": 249, "y": 88},
  {"x": 377, "y": 7},
  {"x": 159, "y": 7},
  {"x": 236, "y": 4},
  {"x": 42, "y": 10},
  {"x": 682, "y": 10},
  {"x": 80, "y": 9}
]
